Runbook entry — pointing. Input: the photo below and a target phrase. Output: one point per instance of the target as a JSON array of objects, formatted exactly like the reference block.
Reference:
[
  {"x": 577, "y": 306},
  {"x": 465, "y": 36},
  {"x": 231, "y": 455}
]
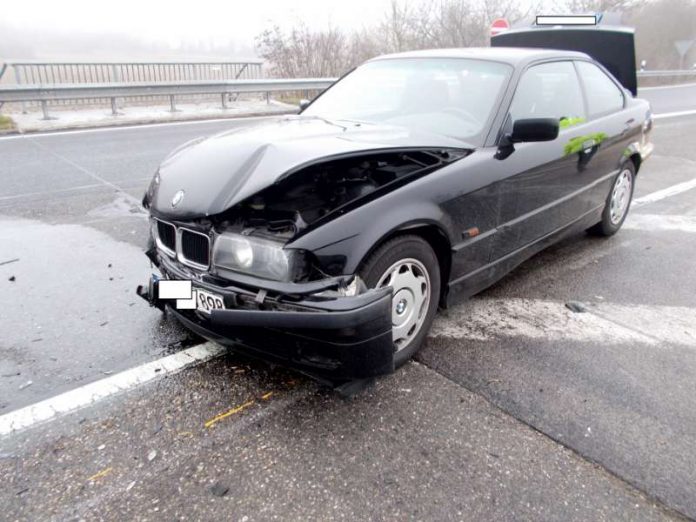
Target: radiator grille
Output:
[
  {"x": 195, "y": 247},
  {"x": 167, "y": 234}
]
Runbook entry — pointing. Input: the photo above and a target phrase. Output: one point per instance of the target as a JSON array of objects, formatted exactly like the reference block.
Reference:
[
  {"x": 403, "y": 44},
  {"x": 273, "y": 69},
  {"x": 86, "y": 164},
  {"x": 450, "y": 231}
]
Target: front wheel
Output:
[
  {"x": 618, "y": 202},
  {"x": 409, "y": 265}
]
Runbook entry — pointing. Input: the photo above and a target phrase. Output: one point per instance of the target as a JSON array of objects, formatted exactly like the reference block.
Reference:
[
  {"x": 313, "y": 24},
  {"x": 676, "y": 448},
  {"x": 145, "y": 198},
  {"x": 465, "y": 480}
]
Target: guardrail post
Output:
[
  {"x": 224, "y": 100},
  {"x": 268, "y": 97},
  {"x": 18, "y": 79},
  {"x": 44, "y": 109},
  {"x": 114, "y": 107},
  {"x": 172, "y": 104}
]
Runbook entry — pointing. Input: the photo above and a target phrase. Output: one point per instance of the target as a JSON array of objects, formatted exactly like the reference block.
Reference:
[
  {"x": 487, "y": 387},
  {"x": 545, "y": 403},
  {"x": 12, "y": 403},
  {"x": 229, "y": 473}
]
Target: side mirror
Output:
[
  {"x": 304, "y": 103},
  {"x": 535, "y": 129},
  {"x": 530, "y": 129}
]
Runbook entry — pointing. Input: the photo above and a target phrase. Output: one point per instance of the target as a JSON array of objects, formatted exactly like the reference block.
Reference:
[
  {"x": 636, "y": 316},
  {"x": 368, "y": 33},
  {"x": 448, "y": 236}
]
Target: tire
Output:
[
  {"x": 417, "y": 265},
  {"x": 612, "y": 219}
]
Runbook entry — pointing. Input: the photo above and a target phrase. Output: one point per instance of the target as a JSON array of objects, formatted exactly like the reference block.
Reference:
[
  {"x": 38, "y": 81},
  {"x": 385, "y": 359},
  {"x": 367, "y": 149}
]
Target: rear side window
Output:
[
  {"x": 549, "y": 90},
  {"x": 603, "y": 96}
]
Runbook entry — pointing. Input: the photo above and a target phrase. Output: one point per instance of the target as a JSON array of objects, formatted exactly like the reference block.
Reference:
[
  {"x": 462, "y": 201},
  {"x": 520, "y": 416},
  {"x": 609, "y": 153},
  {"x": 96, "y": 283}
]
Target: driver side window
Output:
[{"x": 549, "y": 90}]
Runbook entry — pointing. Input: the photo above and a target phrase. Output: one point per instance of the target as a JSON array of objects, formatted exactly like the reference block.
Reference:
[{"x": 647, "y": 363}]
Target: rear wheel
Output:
[
  {"x": 409, "y": 265},
  {"x": 618, "y": 202}
]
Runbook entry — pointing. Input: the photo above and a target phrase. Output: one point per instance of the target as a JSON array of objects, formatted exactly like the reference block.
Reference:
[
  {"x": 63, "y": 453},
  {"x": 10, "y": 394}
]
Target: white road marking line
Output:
[
  {"x": 673, "y": 114},
  {"x": 658, "y": 87},
  {"x": 65, "y": 190},
  {"x": 664, "y": 193},
  {"x": 135, "y": 126},
  {"x": 661, "y": 222},
  {"x": 90, "y": 393},
  {"x": 550, "y": 321},
  {"x": 91, "y": 174}
]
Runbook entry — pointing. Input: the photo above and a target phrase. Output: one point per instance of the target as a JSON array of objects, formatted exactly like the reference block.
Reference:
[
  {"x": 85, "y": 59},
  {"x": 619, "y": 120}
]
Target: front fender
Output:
[{"x": 342, "y": 244}]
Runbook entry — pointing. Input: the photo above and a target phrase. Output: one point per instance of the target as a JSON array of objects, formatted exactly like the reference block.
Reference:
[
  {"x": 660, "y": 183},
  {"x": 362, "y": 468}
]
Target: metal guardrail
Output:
[
  {"x": 36, "y": 72},
  {"x": 33, "y": 72},
  {"x": 112, "y": 91},
  {"x": 663, "y": 73}
]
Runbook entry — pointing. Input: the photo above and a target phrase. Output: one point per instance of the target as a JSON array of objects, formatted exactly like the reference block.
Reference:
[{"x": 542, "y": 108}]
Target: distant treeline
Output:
[{"x": 303, "y": 52}]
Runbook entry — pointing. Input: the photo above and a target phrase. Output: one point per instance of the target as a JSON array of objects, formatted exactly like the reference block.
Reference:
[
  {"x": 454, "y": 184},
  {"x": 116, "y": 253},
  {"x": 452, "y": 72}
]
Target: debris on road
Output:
[
  {"x": 229, "y": 412},
  {"x": 26, "y": 385},
  {"x": 151, "y": 456},
  {"x": 576, "y": 306},
  {"x": 9, "y": 261},
  {"x": 12, "y": 279},
  {"x": 219, "y": 490},
  {"x": 100, "y": 474}
]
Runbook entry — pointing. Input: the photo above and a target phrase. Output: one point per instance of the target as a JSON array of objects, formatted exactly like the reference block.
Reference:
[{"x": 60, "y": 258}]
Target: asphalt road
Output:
[
  {"x": 516, "y": 409},
  {"x": 670, "y": 98}
]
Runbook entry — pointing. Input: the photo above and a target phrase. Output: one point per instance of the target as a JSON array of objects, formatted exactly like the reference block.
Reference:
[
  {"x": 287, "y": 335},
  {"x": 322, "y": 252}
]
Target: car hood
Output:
[{"x": 209, "y": 175}]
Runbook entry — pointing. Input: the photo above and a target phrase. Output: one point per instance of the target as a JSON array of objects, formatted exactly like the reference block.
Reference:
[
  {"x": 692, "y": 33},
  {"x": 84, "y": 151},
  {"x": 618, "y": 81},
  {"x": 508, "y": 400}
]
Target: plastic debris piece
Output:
[
  {"x": 219, "y": 490},
  {"x": 576, "y": 306},
  {"x": 267, "y": 396},
  {"x": 151, "y": 456},
  {"x": 26, "y": 385}
]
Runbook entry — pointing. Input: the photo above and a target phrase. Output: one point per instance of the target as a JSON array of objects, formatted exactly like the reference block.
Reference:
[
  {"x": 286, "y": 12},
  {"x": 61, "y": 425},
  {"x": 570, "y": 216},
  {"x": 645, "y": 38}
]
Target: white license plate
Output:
[{"x": 207, "y": 301}]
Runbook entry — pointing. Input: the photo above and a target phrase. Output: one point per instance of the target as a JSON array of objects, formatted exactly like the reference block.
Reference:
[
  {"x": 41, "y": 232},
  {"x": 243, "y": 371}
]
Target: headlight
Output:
[{"x": 255, "y": 256}]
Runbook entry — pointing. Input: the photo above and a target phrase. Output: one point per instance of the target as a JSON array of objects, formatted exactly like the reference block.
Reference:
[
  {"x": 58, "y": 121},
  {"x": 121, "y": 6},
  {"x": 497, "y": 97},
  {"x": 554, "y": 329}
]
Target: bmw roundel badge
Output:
[{"x": 178, "y": 198}]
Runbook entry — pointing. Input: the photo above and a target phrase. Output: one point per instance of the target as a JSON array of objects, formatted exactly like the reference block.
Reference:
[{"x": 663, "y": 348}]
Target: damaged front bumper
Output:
[{"x": 299, "y": 325}]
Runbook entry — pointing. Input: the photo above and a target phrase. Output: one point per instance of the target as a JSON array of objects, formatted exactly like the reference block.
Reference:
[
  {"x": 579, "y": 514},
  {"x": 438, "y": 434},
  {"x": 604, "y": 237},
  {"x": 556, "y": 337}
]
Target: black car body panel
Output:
[
  {"x": 484, "y": 205},
  {"x": 241, "y": 162}
]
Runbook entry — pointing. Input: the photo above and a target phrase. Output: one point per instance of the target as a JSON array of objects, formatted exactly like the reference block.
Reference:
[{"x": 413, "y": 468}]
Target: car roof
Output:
[{"x": 512, "y": 55}]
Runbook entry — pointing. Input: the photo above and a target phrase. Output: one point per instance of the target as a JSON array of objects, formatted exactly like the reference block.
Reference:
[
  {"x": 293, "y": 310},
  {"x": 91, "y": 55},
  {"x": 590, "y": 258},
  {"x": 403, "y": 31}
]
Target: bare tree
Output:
[
  {"x": 465, "y": 23},
  {"x": 601, "y": 6},
  {"x": 305, "y": 53}
]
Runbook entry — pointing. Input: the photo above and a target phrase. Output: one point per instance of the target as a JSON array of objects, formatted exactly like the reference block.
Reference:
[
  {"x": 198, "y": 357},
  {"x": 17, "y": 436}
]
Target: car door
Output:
[
  {"x": 543, "y": 184},
  {"x": 607, "y": 132}
]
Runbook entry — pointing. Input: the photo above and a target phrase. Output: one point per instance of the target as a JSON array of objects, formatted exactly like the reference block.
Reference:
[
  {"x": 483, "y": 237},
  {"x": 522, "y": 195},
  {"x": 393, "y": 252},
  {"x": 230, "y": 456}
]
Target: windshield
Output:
[{"x": 451, "y": 96}]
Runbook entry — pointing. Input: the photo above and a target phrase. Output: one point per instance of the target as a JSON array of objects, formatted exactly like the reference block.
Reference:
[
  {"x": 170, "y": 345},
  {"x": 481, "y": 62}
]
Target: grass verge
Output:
[{"x": 6, "y": 123}]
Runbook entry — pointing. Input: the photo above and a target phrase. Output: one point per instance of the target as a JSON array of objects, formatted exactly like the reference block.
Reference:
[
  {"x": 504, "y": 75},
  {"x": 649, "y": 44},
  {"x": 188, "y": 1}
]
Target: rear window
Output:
[{"x": 603, "y": 96}]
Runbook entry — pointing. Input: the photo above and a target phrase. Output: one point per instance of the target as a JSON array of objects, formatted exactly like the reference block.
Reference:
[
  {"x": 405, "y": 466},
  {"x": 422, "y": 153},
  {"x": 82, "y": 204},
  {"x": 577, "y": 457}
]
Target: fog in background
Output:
[
  {"x": 159, "y": 29},
  {"x": 306, "y": 37}
]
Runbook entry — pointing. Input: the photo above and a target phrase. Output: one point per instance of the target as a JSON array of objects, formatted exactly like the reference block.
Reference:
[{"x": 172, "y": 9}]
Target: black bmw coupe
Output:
[{"x": 327, "y": 241}]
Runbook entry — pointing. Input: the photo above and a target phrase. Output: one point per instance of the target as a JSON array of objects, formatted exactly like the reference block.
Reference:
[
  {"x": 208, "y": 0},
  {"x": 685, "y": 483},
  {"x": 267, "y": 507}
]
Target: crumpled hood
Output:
[{"x": 218, "y": 172}]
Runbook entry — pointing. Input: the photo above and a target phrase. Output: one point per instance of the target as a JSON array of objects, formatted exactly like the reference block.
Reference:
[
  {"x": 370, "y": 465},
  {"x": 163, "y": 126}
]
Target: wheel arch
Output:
[
  {"x": 632, "y": 153},
  {"x": 433, "y": 234},
  {"x": 636, "y": 160}
]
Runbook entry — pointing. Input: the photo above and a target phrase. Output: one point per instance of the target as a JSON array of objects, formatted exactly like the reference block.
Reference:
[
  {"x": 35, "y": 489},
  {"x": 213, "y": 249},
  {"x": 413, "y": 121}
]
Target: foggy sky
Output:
[{"x": 42, "y": 29}]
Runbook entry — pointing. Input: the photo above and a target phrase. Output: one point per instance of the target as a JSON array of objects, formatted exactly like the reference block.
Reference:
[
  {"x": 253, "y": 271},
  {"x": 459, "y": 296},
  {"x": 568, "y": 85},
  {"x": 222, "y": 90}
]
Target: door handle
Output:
[{"x": 587, "y": 145}]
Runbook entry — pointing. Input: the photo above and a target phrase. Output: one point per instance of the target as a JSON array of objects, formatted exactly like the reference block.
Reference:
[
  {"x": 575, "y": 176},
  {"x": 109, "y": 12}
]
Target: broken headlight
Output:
[{"x": 258, "y": 257}]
